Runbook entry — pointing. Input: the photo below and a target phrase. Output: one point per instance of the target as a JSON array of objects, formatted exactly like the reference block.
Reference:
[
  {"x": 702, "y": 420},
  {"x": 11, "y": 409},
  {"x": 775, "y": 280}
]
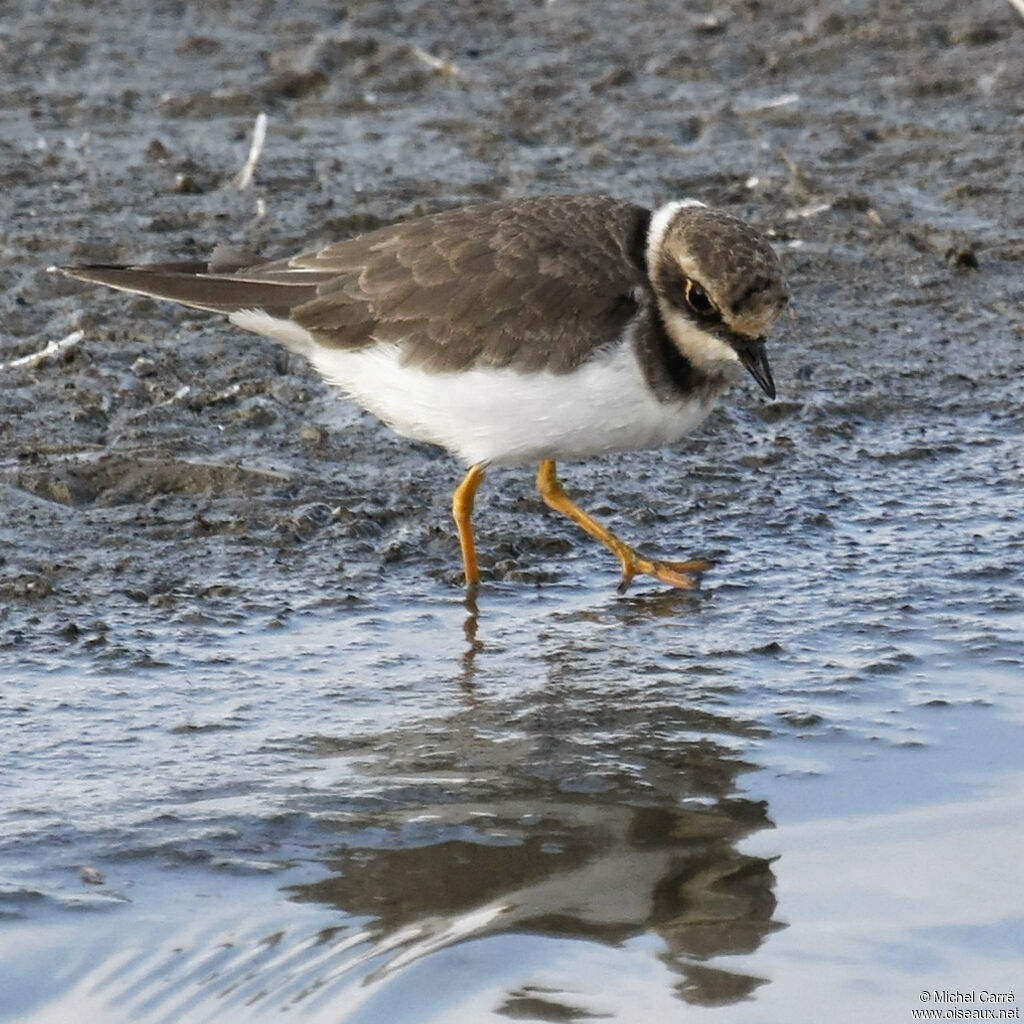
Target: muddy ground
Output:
[{"x": 167, "y": 457}]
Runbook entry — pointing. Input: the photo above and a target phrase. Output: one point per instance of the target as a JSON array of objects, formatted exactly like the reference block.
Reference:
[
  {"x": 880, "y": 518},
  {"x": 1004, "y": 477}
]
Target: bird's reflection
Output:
[
  {"x": 583, "y": 811},
  {"x": 601, "y": 873},
  {"x": 470, "y": 628}
]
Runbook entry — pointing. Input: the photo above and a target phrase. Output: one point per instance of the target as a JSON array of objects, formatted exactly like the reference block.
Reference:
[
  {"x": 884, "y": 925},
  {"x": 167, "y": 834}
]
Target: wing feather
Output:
[
  {"x": 533, "y": 283},
  {"x": 529, "y": 283}
]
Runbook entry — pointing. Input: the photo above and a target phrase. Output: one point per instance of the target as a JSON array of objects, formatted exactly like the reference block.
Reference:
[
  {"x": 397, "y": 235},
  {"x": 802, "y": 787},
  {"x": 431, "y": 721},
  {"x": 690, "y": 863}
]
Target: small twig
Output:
[
  {"x": 442, "y": 66},
  {"x": 1019, "y": 5},
  {"x": 800, "y": 180},
  {"x": 51, "y": 353},
  {"x": 259, "y": 135},
  {"x": 806, "y": 212},
  {"x": 785, "y": 100}
]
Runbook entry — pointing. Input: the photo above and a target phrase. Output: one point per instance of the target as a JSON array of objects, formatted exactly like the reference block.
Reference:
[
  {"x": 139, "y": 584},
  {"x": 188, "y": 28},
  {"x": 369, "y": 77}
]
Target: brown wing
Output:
[{"x": 531, "y": 283}]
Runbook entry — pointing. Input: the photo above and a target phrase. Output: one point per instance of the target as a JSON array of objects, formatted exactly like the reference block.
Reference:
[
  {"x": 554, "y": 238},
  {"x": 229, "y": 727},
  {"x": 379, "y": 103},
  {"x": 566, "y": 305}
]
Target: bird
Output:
[{"x": 521, "y": 331}]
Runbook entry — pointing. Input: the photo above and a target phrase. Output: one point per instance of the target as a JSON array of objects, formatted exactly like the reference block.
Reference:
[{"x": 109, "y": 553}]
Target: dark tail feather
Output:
[{"x": 192, "y": 284}]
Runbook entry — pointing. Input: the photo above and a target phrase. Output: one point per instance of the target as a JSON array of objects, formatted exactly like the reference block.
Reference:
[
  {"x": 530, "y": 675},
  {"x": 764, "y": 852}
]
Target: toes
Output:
[
  {"x": 683, "y": 575},
  {"x": 667, "y": 573},
  {"x": 691, "y": 565},
  {"x": 676, "y": 574}
]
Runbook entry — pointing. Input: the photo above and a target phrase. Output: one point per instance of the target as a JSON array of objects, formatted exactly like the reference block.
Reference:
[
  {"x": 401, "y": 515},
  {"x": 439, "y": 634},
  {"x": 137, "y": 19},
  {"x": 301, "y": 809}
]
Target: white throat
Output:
[{"x": 707, "y": 354}]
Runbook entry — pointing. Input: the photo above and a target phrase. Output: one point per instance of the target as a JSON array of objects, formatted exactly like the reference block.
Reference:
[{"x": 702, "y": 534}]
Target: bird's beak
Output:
[{"x": 754, "y": 357}]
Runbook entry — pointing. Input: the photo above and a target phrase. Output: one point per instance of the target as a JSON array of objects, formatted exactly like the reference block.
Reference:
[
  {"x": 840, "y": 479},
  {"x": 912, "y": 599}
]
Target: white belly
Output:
[
  {"x": 506, "y": 418},
  {"x": 502, "y": 416}
]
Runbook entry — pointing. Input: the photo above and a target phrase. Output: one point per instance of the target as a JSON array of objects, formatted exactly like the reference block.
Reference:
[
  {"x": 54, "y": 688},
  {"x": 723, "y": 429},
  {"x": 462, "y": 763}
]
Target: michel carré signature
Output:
[{"x": 953, "y": 995}]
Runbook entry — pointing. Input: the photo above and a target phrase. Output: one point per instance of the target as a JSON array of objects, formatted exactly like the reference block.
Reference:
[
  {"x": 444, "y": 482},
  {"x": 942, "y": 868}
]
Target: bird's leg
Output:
[
  {"x": 462, "y": 509},
  {"x": 678, "y": 574}
]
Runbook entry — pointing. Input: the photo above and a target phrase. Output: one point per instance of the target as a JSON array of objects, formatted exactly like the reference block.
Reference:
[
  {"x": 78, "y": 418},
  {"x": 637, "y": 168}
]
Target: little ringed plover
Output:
[{"x": 521, "y": 331}]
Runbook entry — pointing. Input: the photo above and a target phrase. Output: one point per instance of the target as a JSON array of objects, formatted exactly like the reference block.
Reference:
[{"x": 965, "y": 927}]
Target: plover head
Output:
[{"x": 719, "y": 287}]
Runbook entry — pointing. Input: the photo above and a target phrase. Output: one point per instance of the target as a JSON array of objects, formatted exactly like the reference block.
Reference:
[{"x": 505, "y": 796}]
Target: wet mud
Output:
[{"x": 879, "y": 148}]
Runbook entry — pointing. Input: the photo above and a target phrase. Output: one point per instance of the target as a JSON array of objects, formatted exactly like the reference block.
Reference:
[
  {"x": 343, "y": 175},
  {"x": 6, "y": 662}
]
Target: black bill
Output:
[{"x": 754, "y": 357}]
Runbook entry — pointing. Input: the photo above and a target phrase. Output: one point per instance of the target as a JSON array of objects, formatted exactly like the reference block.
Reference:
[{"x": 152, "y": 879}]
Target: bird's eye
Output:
[{"x": 697, "y": 299}]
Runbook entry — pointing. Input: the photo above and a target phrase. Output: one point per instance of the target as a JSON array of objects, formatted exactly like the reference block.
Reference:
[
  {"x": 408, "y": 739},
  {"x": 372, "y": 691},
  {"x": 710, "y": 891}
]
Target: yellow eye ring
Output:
[{"x": 697, "y": 299}]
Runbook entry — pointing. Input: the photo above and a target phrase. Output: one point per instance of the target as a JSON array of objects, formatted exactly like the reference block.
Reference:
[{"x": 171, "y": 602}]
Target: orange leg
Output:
[
  {"x": 678, "y": 574},
  {"x": 462, "y": 509}
]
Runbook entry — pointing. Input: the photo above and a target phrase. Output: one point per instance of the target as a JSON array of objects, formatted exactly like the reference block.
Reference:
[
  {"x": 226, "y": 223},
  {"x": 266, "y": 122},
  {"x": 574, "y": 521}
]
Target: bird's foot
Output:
[{"x": 684, "y": 575}]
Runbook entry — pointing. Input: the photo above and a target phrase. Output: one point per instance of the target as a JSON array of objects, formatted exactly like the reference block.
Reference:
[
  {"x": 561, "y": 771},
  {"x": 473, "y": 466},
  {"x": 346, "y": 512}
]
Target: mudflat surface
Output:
[{"x": 258, "y": 756}]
